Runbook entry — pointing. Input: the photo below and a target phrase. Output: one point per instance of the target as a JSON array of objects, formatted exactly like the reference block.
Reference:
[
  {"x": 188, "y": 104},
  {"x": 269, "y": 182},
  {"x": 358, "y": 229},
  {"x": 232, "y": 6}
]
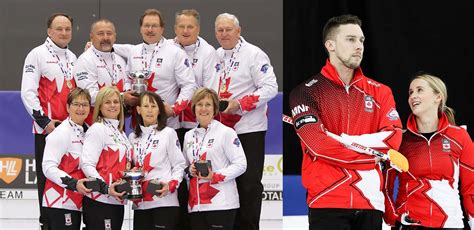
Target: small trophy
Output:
[
  {"x": 139, "y": 80},
  {"x": 132, "y": 184},
  {"x": 203, "y": 166}
]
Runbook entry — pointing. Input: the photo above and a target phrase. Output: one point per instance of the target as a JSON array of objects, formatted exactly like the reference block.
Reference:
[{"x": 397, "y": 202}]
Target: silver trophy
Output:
[
  {"x": 134, "y": 180},
  {"x": 139, "y": 80}
]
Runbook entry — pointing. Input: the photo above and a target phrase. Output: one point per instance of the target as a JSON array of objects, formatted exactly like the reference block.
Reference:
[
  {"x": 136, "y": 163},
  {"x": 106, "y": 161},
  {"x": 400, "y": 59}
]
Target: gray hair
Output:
[{"x": 227, "y": 16}]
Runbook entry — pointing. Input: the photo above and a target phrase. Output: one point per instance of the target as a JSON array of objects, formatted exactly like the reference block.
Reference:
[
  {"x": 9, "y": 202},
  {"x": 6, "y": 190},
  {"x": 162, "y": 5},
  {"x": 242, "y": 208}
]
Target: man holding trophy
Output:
[{"x": 157, "y": 154}]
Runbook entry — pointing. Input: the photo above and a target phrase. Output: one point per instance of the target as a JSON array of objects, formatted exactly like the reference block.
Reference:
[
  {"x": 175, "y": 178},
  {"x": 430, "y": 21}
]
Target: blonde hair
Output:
[
  {"x": 439, "y": 87},
  {"x": 104, "y": 93}
]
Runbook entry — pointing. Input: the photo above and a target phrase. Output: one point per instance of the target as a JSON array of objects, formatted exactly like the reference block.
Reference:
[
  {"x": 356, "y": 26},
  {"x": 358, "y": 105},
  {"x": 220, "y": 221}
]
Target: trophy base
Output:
[{"x": 133, "y": 197}]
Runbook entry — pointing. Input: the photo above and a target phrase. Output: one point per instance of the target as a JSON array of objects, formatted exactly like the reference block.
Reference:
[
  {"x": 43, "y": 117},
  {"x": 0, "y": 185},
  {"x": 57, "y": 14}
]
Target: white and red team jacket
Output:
[
  {"x": 158, "y": 153},
  {"x": 104, "y": 155},
  {"x": 43, "y": 87},
  {"x": 61, "y": 166},
  {"x": 245, "y": 74},
  {"x": 220, "y": 145},
  {"x": 171, "y": 75},
  {"x": 428, "y": 194},
  {"x": 95, "y": 69},
  {"x": 205, "y": 63},
  {"x": 335, "y": 176}
]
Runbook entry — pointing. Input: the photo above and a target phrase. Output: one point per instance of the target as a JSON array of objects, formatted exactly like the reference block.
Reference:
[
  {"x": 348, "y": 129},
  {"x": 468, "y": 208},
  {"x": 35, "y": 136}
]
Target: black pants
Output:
[
  {"x": 40, "y": 142},
  {"x": 344, "y": 219},
  {"x": 59, "y": 219},
  {"x": 222, "y": 219},
  {"x": 183, "y": 191},
  {"x": 249, "y": 184},
  {"x": 156, "y": 218},
  {"x": 399, "y": 226},
  {"x": 98, "y": 215}
]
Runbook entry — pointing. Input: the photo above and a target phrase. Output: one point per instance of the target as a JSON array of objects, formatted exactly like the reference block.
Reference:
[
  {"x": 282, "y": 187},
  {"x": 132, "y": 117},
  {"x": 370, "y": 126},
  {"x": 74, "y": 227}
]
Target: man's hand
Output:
[
  {"x": 129, "y": 99},
  {"x": 81, "y": 188},
  {"x": 169, "y": 110},
  {"x": 233, "y": 106},
  {"x": 51, "y": 126},
  {"x": 88, "y": 44}
]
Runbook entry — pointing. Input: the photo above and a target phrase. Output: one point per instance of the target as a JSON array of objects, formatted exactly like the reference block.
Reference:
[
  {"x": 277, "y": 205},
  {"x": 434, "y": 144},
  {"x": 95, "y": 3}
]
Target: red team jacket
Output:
[
  {"x": 428, "y": 194},
  {"x": 335, "y": 176}
]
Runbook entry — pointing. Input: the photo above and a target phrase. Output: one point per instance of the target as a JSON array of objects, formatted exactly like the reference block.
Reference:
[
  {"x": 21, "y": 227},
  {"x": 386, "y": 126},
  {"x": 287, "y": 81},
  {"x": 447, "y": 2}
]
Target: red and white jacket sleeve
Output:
[
  {"x": 54, "y": 150},
  {"x": 185, "y": 80},
  {"x": 235, "y": 154},
  {"x": 29, "y": 89},
  {"x": 85, "y": 74},
  {"x": 312, "y": 134},
  {"x": 91, "y": 150},
  {"x": 176, "y": 159},
  {"x": 265, "y": 81},
  {"x": 466, "y": 174}
]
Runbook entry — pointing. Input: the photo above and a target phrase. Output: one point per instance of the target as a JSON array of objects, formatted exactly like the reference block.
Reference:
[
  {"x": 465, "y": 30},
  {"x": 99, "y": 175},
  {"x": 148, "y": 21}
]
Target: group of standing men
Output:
[{"x": 240, "y": 72}]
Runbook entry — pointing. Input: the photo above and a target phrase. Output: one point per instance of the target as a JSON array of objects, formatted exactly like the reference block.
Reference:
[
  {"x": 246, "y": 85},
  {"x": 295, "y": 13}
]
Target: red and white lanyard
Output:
[
  {"x": 113, "y": 73},
  {"x": 197, "y": 145},
  {"x": 142, "y": 148},
  {"x": 146, "y": 63},
  {"x": 65, "y": 70}
]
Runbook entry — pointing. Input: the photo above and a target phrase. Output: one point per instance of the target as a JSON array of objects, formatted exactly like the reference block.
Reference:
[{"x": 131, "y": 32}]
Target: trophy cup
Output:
[
  {"x": 139, "y": 80},
  {"x": 132, "y": 184}
]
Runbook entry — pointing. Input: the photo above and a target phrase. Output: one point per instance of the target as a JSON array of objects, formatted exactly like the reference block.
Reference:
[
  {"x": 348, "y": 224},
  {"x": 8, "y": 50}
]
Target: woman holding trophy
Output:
[
  {"x": 106, "y": 155},
  {"x": 216, "y": 158},
  {"x": 157, "y": 153}
]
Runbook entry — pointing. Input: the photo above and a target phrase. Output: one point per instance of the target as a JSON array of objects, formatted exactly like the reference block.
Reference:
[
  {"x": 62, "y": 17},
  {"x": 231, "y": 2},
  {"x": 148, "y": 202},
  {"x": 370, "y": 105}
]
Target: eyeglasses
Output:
[{"x": 76, "y": 104}]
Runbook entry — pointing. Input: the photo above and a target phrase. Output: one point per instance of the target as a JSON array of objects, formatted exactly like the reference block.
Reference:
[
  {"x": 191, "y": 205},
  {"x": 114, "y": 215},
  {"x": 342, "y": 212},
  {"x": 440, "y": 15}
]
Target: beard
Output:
[{"x": 350, "y": 62}]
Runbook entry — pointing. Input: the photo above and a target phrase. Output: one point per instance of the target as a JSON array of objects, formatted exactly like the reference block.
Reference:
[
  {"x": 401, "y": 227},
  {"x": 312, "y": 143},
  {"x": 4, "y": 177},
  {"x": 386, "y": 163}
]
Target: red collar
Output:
[
  {"x": 411, "y": 123},
  {"x": 330, "y": 72}
]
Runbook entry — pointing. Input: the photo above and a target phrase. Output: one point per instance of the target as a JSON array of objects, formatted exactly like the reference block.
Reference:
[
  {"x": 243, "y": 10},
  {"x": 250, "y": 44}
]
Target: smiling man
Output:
[
  {"x": 202, "y": 56},
  {"x": 100, "y": 66},
  {"x": 344, "y": 186},
  {"x": 46, "y": 82},
  {"x": 247, "y": 82}
]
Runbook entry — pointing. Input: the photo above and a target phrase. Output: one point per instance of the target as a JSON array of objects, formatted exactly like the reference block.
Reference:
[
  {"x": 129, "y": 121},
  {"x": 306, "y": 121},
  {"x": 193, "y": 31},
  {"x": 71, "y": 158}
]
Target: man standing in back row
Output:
[
  {"x": 343, "y": 185},
  {"x": 46, "y": 82},
  {"x": 247, "y": 82}
]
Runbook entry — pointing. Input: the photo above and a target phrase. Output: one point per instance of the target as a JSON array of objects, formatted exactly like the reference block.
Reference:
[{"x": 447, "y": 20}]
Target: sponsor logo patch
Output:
[
  {"x": 29, "y": 68},
  {"x": 446, "y": 145},
  {"x": 236, "y": 142},
  {"x": 299, "y": 109},
  {"x": 369, "y": 104},
  {"x": 209, "y": 143},
  {"x": 304, "y": 120},
  {"x": 393, "y": 114},
  {"x": 186, "y": 62},
  {"x": 236, "y": 66},
  {"x": 159, "y": 61},
  {"x": 310, "y": 83},
  {"x": 67, "y": 219},
  {"x": 264, "y": 68}
]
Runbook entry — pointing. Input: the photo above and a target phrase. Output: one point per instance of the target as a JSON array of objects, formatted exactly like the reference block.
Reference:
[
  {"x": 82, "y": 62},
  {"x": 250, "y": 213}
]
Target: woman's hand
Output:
[
  {"x": 81, "y": 188},
  {"x": 114, "y": 193}
]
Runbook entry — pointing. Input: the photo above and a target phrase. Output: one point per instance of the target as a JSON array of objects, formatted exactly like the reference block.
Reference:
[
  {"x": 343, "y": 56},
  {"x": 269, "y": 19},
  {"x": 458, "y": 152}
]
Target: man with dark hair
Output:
[
  {"x": 344, "y": 185},
  {"x": 100, "y": 66},
  {"x": 47, "y": 80}
]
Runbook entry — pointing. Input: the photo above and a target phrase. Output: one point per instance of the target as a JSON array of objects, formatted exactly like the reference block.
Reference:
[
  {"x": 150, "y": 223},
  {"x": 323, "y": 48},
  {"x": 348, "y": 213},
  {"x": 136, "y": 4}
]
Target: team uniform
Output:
[
  {"x": 158, "y": 153},
  {"x": 171, "y": 74},
  {"x": 246, "y": 75},
  {"x": 335, "y": 176},
  {"x": 61, "y": 168},
  {"x": 221, "y": 146},
  {"x": 428, "y": 194},
  {"x": 95, "y": 69},
  {"x": 104, "y": 156},
  {"x": 204, "y": 62},
  {"x": 46, "y": 82}
]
